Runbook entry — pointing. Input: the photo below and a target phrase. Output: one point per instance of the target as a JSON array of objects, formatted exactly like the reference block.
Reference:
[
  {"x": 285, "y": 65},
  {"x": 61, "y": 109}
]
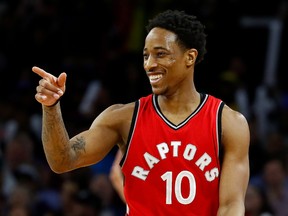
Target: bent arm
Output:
[
  {"x": 235, "y": 168},
  {"x": 88, "y": 147},
  {"x": 55, "y": 139}
]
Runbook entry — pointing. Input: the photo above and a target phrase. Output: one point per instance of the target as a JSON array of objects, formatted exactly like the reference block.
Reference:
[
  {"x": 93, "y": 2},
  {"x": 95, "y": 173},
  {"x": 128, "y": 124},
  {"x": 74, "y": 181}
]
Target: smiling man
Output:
[{"x": 184, "y": 152}]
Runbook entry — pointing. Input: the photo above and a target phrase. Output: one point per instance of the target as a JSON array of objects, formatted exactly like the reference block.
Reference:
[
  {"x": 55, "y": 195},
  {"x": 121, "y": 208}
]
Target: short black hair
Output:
[{"x": 189, "y": 30}]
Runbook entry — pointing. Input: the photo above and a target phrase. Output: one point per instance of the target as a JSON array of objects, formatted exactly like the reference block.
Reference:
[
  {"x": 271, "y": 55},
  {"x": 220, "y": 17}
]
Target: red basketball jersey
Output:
[{"x": 173, "y": 169}]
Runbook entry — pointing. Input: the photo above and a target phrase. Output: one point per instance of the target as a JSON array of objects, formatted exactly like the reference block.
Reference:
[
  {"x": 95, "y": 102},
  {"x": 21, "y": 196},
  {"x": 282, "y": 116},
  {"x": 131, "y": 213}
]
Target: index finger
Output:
[{"x": 42, "y": 73}]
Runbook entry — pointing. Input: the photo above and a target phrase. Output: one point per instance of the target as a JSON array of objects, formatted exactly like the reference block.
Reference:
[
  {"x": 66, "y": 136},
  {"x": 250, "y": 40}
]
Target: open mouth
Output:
[{"x": 155, "y": 78}]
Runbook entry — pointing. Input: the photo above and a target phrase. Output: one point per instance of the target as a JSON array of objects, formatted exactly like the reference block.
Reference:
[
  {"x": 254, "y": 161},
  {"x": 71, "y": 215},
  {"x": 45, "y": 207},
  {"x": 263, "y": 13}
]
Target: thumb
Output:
[{"x": 61, "y": 81}]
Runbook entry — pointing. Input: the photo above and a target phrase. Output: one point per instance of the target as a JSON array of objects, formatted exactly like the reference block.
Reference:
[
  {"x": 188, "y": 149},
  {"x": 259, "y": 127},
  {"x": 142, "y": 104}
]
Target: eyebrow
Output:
[{"x": 157, "y": 48}]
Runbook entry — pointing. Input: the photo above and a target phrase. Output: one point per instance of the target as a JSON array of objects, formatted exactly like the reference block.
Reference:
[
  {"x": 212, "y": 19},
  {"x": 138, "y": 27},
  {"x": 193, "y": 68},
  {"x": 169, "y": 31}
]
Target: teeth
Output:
[{"x": 155, "y": 77}]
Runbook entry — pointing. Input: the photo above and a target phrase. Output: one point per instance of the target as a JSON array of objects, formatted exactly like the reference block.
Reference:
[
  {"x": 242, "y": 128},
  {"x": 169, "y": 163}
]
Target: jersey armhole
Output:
[
  {"x": 221, "y": 148},
  {"x": 135, "y": 112}
]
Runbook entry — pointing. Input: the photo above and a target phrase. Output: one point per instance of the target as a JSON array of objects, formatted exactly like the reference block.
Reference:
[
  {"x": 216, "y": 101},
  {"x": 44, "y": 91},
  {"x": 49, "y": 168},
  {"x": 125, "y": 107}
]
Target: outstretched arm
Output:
[{"x": 235, "y": 168}]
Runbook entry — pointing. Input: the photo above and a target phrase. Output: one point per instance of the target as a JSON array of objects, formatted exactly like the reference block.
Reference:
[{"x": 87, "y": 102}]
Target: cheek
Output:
[
  {"x": 171, "y": 62},
  {"x": 174, "y": 64}
]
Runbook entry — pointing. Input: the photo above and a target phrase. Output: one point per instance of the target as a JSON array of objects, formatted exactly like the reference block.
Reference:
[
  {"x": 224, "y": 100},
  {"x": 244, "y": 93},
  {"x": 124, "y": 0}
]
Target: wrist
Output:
[{"x": 54, "y": 104}]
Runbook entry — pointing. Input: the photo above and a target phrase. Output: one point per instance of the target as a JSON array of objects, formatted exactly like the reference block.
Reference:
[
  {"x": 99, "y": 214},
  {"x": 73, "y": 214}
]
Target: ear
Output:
[{"x": 191, "y": 56}]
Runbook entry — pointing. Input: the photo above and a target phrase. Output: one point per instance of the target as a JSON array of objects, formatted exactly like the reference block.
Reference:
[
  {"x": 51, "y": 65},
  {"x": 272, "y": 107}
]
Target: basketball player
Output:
[{"x": 184, "y": 152}]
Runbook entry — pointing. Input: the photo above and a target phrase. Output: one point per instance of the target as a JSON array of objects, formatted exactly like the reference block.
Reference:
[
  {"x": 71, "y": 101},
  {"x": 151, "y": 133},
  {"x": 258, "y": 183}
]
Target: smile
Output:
[{"x": 155, "y": 78}]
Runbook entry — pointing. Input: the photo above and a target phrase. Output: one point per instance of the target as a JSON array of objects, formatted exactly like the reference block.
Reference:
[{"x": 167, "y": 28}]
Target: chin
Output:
[{"x": 158, "y": 91}]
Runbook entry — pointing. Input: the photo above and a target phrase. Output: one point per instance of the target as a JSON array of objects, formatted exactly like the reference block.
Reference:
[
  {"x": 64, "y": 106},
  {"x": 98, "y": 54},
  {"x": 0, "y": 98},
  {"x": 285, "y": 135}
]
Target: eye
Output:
[
  {"x": 145, "y": 56},
  {"x": 161, "y": 54}
]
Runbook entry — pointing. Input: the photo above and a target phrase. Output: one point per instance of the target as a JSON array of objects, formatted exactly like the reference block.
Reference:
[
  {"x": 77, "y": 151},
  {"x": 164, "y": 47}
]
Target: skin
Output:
[
  {"x": 170, "y": 69},
  {"x": 116, "y": 176}
]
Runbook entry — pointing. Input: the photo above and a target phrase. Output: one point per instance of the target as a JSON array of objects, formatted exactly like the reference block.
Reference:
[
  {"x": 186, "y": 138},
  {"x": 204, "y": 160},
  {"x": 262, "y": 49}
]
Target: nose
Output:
[{"x": 150, "y": 63}]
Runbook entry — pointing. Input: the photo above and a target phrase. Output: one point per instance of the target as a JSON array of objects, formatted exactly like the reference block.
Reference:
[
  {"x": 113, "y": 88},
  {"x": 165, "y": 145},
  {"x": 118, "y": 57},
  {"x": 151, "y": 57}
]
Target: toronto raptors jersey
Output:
[{"x": 173, "y": 169}]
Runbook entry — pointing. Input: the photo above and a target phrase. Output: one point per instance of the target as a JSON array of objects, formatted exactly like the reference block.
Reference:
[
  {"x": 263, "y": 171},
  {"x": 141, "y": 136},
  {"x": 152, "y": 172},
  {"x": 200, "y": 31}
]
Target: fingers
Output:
[
  {"x": 47, "y": 93},
  {"x": 50, "y": 88},
  {"x": 62, "y": 80},
  {"x": 42, "y": 73}
]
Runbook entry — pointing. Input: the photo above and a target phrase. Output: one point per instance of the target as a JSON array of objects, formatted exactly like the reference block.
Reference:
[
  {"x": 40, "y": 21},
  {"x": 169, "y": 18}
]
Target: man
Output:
[{"x": 172, "y": 140}]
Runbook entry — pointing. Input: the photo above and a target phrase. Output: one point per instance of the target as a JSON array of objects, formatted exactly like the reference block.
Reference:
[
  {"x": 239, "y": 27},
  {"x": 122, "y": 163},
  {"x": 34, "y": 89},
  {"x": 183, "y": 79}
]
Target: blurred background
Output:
[{"x": 99, "y": 45}]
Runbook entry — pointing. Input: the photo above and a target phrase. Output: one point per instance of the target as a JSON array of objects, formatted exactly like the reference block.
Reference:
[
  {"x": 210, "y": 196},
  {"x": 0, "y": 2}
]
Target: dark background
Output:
[{"x": 102, "y": 40}]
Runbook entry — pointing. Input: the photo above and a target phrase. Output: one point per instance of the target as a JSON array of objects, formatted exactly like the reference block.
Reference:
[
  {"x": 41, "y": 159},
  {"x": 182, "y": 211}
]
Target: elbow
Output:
[{"x": 57, "y": 169}]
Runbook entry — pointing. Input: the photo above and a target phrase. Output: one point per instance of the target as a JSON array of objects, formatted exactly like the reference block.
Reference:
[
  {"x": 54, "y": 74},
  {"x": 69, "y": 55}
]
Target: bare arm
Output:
[
  {"x": 88, "y": 147},
  {"x": 235, "y": 168},
  {"x": 116, "y": 176},
  {"x": 55, "y": 138}
]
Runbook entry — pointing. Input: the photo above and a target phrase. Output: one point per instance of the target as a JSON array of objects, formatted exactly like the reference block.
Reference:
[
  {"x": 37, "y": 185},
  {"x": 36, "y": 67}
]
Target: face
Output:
[{"x": 165, "y": 62}]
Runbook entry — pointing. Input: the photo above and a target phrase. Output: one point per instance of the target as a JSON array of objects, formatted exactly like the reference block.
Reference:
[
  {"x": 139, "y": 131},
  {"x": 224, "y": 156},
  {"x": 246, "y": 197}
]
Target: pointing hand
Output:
[{"x": 50, "y": 88}]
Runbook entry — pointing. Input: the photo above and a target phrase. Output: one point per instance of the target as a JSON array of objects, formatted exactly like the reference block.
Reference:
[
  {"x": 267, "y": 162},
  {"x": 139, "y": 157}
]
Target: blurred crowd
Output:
[{"x": 99, "y": 45}]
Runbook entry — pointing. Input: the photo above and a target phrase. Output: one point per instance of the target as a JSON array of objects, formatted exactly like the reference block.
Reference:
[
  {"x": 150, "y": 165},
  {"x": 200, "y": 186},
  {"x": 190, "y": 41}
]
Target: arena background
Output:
[{"x": 99, "y": 45}]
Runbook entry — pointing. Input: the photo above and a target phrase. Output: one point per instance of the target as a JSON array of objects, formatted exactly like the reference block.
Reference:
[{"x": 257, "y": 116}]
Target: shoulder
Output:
[
  {"x": 118, "y": 111},
  {"x": 233, "y": 117},
  {"x": 235, "y": 128},
  {"x": 229, "y": 115},
  {"x": 116, "y": 118},
  {"x": 127, "y": 109},
  {"x": 233, "y": 122}
]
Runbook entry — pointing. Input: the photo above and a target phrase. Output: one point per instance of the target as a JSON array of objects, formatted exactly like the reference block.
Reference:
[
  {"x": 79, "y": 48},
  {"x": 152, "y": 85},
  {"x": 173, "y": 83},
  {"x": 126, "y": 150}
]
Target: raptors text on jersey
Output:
[{"x": 173, "y": 169}]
